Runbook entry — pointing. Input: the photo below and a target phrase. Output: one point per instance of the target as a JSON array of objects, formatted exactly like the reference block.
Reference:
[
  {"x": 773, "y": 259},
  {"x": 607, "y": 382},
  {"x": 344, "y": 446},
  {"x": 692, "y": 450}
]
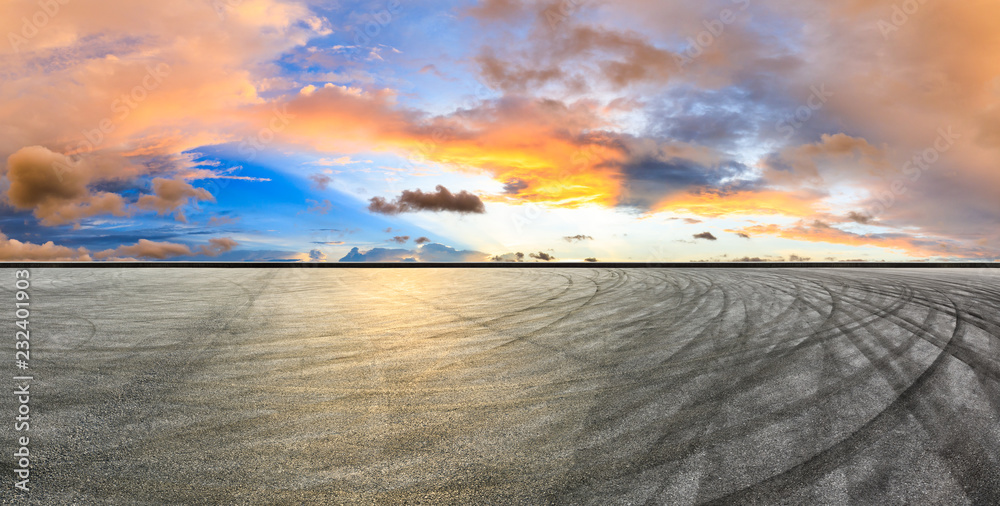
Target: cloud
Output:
[
  {"x": 317, "y": 256},
  {"x": 705, "y": 235},
  {"x": 217, "y": 245},
  {"x": 541, "y": 255},
  {"x": 421, "y": 240},
  {"x": 377, "y": 255},
  {"x": 836, "y": 158},
  {"x": 514, "y": 186},
  {"x": 148, "y": 249},
  {"x": 218, "y": 221},
  {"x": 416, "y": 200},
  {"x": 135, "y": 86},
  {"x": 923, "y": 247},
  {"x": 713, "y": 203},
  {"x": 508, "y": 257},
  {"x": 12, "y": 250},
  {"x": 217, "y": 83},
  {"x": 861, "y": 218},
  {"x": 541, "y": 149},
  {"x": 688, "y": 221},
  {"x": 400, "y": 239},
  {"x": 651, "y": 178},
  {"x": 164, "y": 250},
  {"x": 320, "y": 181},
  {"x": 319, "y": 207},
  {"x": 431, "y": 252},
  {"x": 492, "y": 10},
  {"x": 618, "y": 58},
  {"x": 796, "y": 258},
  {"x": 578, "y": 238},
  {"x": 720, "y": 118},
  {"x": 58, "y": 189},
  {"x": 743, "y": 235},
  {"x": 169, "y": 195},
  {"x": 589, "y": 259}
]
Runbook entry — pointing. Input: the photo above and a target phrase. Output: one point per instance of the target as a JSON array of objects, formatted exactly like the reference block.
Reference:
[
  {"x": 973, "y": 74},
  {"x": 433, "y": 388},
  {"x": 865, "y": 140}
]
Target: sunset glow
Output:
[{"x": 634, "y": 130}]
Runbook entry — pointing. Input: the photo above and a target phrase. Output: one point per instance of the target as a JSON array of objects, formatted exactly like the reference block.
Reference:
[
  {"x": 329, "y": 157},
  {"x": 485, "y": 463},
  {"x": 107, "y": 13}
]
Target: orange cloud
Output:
[
  {"x": 121, "y": 79},
  {"x": 56, "y": 187},
  {"x": 12, "y": 250},
  {"x": 714, "y": 204},
  {"x": 905, "y": 244},
  {"x": 170, "y": 194},
  {"x": 833, "y": 159},
  {"x": 164, "y": 250},
  {"x": 545, "y": 144}
]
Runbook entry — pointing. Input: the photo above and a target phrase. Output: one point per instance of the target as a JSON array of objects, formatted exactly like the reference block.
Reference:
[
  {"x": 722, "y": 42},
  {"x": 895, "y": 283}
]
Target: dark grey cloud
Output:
[
  {"x": 320, "y": 181},
  {"x": 400, "y": 239},
  {"x": 541, "y": 255},
  {"x": 514, "y": 186},
  {"x": 717, "y": 117},
  {"x": 652, "y": 177},
  {"x": 743, "y": 235},
  {"x": 705, "y": 235},
  {"x": 421, "y": 240},
  {"x": 411, "y": 201},
  {"x": 755, "y": 107},
  {"x": 590, "y": 259},
  {"x": 508, "y": 257},
  {"x": 578, "y": 237},
  {"x": 689, "y": 221},
  {"x": 796, "y": 258},
  {"x": 861, "y": 218}
]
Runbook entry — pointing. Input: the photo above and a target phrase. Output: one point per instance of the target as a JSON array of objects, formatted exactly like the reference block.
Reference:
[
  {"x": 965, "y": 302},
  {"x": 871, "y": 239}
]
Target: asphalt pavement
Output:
[{"x": 509, "y": 386}]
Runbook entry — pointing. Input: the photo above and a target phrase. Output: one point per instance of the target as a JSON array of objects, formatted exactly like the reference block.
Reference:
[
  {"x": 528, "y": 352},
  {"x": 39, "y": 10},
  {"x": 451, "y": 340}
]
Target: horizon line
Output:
[{"x": 499, "y": 265}]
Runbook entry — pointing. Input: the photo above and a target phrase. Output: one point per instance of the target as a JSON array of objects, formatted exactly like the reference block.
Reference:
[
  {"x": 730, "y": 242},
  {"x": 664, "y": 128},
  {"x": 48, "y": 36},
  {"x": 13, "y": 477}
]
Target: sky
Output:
[{"x": 500, "y": 130}]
